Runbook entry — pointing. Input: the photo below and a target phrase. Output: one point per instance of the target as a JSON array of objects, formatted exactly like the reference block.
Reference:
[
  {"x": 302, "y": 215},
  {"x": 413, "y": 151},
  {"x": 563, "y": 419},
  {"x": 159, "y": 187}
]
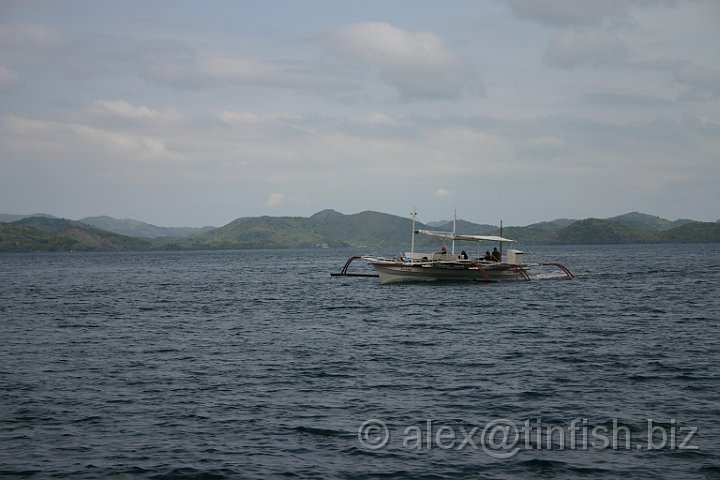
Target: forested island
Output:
[{"x": 328, "y": 228}]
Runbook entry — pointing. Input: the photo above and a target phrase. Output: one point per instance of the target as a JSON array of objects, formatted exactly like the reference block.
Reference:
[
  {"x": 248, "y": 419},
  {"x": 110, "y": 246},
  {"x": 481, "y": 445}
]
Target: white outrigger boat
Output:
[{"x": 430, "y": 267}]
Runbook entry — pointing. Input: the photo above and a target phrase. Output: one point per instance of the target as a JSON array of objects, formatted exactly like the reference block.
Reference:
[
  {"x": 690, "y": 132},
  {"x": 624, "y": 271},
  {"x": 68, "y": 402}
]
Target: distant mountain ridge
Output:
[
  {"x": 367, "y": 230},
  {"x": 136, "y": 228},
  {"x": 61, "y": 235},
  {"x": 375, "y": 230},
  {"x": 328, "y": 227}
]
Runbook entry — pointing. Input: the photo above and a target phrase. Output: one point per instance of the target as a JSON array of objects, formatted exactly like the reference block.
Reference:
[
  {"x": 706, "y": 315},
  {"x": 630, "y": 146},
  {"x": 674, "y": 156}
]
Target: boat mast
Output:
[
  {"x": 454, "y": 222},
  {"x": 412, "y": 241},
  {"x": 501, "y": 243}
]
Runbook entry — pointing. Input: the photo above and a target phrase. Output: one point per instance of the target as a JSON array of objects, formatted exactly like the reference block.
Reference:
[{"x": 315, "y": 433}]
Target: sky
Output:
[{"x": 189, "y": 113}]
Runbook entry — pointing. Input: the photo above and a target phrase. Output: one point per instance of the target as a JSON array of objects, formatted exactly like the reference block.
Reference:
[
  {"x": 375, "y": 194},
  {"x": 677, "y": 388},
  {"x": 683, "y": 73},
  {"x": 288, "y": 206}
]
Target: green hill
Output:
[
  {"x": 543, "y": 232},
  {"x": 644, "y": 221},
  {"x": 367, "y": 230},
  {"x": 695, "y": 232},
  {"x": 257, "y": 232},
  {"x": 597, "y": 231},
  {"x": 8, "y": 217},
  {"x": 363, "y": 230},
  {"x": 463, "y": 226},
  {"x": 61, "y": 235}
]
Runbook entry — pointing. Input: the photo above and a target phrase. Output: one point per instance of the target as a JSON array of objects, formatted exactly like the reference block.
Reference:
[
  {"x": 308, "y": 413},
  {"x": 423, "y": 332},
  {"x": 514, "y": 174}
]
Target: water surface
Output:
[{"x": 258, "y": 364}]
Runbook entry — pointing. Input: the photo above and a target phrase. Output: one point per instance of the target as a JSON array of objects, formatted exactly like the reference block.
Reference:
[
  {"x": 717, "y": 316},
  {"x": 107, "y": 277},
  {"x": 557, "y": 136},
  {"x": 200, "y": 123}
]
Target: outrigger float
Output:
[{"x": 431, "y": 267}]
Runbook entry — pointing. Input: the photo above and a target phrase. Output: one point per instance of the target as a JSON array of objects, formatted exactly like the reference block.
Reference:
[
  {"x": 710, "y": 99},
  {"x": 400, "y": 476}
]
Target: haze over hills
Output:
[
  {"x": 7, "y": 217},
  {"x": 328, "y": 228},
  {"x": 136, "y": 228}
]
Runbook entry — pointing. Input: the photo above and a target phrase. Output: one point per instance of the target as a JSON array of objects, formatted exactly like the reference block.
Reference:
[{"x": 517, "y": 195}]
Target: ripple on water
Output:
[{"x": 223, "y": 365}]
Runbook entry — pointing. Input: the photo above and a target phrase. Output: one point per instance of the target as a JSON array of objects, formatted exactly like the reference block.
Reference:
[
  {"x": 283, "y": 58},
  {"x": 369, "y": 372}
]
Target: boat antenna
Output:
[{"x": 412, "y": 241}]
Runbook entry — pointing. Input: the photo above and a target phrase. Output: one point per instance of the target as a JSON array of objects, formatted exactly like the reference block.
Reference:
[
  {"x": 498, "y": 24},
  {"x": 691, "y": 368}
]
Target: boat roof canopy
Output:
[{"x": 471, "y": 238}]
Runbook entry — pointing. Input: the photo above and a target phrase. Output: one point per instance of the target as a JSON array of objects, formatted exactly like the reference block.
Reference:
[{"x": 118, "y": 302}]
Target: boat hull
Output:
[{"x": 395, "y": 272}]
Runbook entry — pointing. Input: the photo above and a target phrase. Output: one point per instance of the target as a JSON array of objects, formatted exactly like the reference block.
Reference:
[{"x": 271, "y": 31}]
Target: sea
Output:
[{"x": 259, "y": 364}]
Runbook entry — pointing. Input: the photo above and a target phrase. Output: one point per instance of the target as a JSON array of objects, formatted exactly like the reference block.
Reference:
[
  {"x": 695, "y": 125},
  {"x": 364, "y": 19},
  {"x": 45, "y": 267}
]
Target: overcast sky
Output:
[{"x": 199, "y": 112}]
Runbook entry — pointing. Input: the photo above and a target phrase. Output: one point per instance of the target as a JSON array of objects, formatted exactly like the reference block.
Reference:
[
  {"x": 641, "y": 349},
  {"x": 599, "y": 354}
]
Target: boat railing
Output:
[
  {"x": 344, "y": 270},
  {"x": 520, "y": 270},
  {"x": 484, "y": 272},
  {"x": 562, "y": 267}
]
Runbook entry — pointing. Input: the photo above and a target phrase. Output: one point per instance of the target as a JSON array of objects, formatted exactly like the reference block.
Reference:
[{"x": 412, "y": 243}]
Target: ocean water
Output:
[{"x": 258, "y": 364}]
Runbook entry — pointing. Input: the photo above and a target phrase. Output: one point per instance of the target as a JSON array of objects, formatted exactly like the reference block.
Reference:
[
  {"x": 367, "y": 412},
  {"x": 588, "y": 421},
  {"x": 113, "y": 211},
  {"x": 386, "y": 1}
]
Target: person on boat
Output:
[
  {"x": 463, "y": 255},
  {"x": 495, "y": 255},
  {"x": 487, "y": 256},
  {"x": 443, "y": 249}
]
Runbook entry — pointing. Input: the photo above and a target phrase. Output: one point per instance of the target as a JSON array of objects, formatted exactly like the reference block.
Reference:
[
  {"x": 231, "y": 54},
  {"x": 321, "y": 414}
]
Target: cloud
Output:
[
  {"x": 124, "y": 109},
  {"x": 416, "y": 63},
  {"x": 577, "y": 13},
  {"x": 441, "y": 192},
  {"x": 377, "y": 119},
  {"x": 280, "y": 199},
  {"x": 569, "y": 50},
  {"x": 703, "y": 83},
  {"x": 275, "y": 200},
  {"x": 236, "y": 69},
  {"x": 30, "y": 37},
  {"x": 64, "y": 137},
  {"x": 544, "y": 148},
  {"x": 239, "y": 119},
  {"x": 177, "y": 65},
  {"x": 25, "y": 46},
  {"x": 627, "y": 99},
  {"x": 8, "y": 77}
]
